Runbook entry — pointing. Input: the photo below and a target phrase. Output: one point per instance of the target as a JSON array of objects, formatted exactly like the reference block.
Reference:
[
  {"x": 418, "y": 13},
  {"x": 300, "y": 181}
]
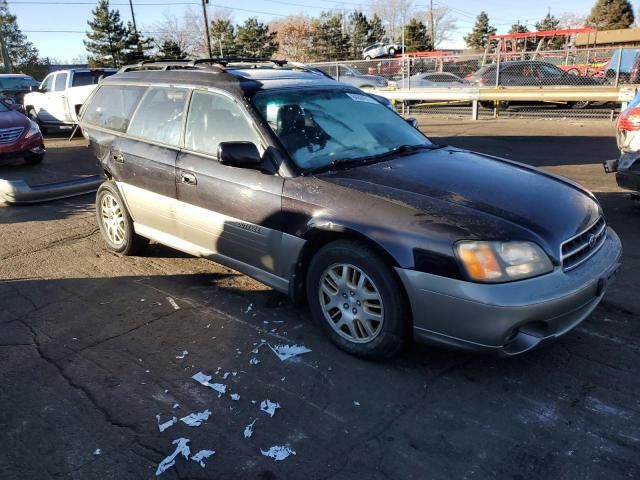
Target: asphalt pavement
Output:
[{"x": 93, "y": 347}]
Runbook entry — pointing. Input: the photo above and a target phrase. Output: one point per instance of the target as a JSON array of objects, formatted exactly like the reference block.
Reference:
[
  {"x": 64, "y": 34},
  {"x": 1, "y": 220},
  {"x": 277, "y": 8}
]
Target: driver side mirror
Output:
[
  {"x": 239, "y": 154},
  {"x": 412, "y": 121}
]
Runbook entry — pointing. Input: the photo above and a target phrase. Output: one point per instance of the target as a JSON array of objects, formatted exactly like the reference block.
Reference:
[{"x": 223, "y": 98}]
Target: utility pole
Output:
[
  {"x": 433, "y": 24},
  {"x": 133, "y": 17},
  {"x": 206, "y": 26}
]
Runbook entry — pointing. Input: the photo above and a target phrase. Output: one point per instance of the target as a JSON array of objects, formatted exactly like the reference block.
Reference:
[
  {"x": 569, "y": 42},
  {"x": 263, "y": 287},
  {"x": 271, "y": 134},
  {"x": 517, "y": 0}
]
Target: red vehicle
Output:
[{"x": 19, "y": 136}]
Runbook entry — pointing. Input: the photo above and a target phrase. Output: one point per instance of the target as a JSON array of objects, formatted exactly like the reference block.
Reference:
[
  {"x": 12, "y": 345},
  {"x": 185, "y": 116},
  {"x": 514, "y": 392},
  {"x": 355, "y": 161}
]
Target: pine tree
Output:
[
  {"x": 106, "y": 42},
  {"x": 550, "y": 22},
  {"x": 253, "y": 39},
  {"x": 330, "y": 41},
  {"x": 416, "y": 37},
  {"x": 136, "y": 46},
  {"x": 611, "y": 15},
  {"x": 479, "y": 36},
  {"x": 522, "y": 43},
  {"x": 223, "y": 38},
  {"x": 376, "y": 30},
  {"x": 172, "y": 50},
  {"x": 22, "y": 55},
  {"x": 359, "y": 28}
]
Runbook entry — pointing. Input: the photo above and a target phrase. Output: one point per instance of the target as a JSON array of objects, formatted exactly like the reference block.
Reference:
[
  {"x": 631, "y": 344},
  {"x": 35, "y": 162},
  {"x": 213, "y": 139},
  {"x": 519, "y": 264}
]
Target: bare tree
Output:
[
  {"x": 393, "y": 14},
  {"x": 441, "y": 24},
  {"x": 186, "y": 32},
  {"x": 571, "y": 20}
]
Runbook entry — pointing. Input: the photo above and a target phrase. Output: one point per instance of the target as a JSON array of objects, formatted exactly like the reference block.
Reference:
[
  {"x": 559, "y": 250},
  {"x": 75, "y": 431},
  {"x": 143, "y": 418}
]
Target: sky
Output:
[{"x": 56, "y": 26}]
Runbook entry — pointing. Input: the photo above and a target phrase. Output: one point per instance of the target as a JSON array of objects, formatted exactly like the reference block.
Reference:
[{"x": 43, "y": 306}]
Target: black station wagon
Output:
[{"x": 322, "y": 192}]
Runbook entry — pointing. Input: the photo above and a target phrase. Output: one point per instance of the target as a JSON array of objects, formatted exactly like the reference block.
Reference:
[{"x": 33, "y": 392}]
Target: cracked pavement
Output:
[{"x": 89, "y": 340}]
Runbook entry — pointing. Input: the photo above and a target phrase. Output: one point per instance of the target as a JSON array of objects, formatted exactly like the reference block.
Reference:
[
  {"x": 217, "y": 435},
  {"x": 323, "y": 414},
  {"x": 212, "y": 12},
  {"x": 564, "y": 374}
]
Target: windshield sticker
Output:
[{"x": 361, "y": 98}]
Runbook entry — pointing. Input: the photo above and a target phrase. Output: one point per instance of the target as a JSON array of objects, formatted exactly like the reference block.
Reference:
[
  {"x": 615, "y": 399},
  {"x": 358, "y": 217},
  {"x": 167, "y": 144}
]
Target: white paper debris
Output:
[
  {"x": 182, "y": 448},
  {"x": 226, "y": 375},
  {"x": 173, "y": 303},
  {"x": 203, "y": 379},
  {"x": 278, "y": 452},
  {"x": 269, "y": 407},
  {"x": 249, "y": 308},
  {"x": 254, "y": 361},
  {"x": 201, "y": 455},
  {"x": 248, "y": 430},
  {"x": 169, "y": 423},
  {"x": 175, "y": 405},
  {"x": 195, "y": 419},
  {"x": 357, "y": 404},
  {"x": 235, "y": 396},
  {"x": 97, "y": 451},
  {"x": 285, "y": 352},
  {"x": 183, "y": 354}
]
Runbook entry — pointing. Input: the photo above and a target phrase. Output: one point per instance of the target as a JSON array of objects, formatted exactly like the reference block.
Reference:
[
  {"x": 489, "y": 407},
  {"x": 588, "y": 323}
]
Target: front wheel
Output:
[
  {"x": 392, "y": 51},
  {"x": 579, "y": 105},
  {"x": 115, "y": 223},
  {"x": 358, "y": 300}
]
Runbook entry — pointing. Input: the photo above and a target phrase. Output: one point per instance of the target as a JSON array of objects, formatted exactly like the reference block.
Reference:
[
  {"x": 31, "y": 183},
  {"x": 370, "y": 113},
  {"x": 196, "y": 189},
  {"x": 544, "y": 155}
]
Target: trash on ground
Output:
[
  {"x": 278, "y": 452},
  {"x": 173, "y": 303},
  {"x": 248, "y": 430},
  {"x": 195, "y": 419},
  {"x": 169, "y": 423},
  {"x": 249, "y": 308},
  {"x": 269, "y": 407},
  {"x": 254, "y": 361},
  {"x": 203, "y": 379},
  {"x": 176, "y": 405},
  {"x": 182, "y": 448},
  {"x": 285, "y": 352},
  {"x": 357, "y": 404},
  {"x": 97, "y": 451},
  {"x": 235, "y": 396},
  {"x": 183, "y": 354},
  {"x": 201, "y": 455}
]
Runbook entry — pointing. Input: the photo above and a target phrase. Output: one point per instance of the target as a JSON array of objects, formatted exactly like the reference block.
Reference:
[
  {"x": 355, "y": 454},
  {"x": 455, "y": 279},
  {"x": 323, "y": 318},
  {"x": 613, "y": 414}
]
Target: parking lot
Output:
[{"x": 95, "y": 346}]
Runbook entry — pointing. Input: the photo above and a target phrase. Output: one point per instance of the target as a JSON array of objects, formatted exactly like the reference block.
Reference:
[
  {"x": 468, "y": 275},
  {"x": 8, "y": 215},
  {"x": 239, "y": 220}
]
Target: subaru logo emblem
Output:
[{"x": 592, "y": 240}]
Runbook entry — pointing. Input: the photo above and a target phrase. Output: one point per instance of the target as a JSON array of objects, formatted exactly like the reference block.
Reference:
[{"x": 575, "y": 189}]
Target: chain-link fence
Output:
[{"x": 601, "y": 67}]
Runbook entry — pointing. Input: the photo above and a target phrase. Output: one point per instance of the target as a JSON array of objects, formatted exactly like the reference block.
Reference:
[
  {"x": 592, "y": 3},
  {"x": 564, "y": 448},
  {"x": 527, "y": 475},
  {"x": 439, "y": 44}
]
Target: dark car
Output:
[
  {"x": 529, "y": 73},
  {"x": 19, "y": 136},
  {"x": 14, "y": 86},
  {"x": 321, "y": 192}
]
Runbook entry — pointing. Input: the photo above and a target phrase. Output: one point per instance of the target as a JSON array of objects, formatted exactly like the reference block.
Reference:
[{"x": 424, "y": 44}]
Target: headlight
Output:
[
  {"x": 494, "y": 262},
  {"x": 34, "y": 129}
]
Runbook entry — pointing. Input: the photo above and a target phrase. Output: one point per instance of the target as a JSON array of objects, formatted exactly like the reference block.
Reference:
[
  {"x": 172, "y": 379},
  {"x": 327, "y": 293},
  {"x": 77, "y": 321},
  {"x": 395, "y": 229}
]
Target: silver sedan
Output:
[{"x": 430, "y": 80}]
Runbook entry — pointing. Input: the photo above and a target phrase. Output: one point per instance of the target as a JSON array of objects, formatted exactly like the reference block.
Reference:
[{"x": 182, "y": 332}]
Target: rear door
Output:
[
  {"x": 229, "y": 213},
  {"x": 146, "y": 158}
]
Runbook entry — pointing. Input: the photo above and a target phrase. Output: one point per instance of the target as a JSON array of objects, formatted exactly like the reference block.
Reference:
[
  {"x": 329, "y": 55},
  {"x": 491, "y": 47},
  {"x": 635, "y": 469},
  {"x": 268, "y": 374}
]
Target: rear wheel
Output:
[
  {"x": 490, "y": 105},
  {"x": 358, "y": 300},
  {"x": 392, "y": 51},
  {"x": 367, "y": 57},
  {"x": 579, "y": 105},
  {"x": 115, "y": 222}
]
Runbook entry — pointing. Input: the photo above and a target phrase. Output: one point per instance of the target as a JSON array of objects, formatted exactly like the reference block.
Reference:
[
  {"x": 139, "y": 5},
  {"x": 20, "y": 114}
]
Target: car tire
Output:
[
  {"x": 392, "y": 51},
  {"x": 490, "y": 105},
  {"x": 367, "y": 57},
  {"x": 579, "y": 105},
  {"x": 347, "y": 280},
  {"x": 115, "y": 222},
  {"x": 33, "y": 158}
]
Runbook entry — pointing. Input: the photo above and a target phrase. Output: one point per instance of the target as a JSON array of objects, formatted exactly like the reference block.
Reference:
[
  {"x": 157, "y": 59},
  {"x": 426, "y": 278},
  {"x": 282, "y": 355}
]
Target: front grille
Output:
[
  {"x": 10, "y": 135},
  {"x": 578, "y": 249}
]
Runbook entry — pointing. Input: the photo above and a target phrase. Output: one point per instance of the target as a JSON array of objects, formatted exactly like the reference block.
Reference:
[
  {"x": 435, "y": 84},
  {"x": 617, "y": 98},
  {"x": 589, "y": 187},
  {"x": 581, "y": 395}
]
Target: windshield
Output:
[
  {"x": 3, "y": 107},
  {"x": 80, "y": 79},
  {"x": 17, "y": 83},
  {"x": 323, "y": 127}
]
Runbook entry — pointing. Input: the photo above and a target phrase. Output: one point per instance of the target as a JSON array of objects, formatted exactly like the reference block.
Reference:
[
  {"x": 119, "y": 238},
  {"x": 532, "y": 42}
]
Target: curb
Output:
[{"x": 16, "y": 192}]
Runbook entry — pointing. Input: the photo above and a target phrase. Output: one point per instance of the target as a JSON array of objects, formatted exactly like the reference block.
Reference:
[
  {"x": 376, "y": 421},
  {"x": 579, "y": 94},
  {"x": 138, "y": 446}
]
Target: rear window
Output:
[
  {"x": 159, "y": 117},
  {"x": 17, "y": 83},
  {"x": 112, "y": 106},
  {"x": 80, "y": 79}
]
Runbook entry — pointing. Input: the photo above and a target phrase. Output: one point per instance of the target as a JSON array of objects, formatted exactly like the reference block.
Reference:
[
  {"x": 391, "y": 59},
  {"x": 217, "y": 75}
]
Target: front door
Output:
[{"x": 231, "y": 213}]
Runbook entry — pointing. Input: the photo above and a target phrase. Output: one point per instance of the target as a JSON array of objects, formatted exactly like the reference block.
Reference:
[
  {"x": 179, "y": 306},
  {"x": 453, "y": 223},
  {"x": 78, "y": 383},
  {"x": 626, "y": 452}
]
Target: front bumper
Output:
[
  {"x": 510, "y": 318},
  {"x": 627, "y": 170},
  {"x": 34, "y": 145}
]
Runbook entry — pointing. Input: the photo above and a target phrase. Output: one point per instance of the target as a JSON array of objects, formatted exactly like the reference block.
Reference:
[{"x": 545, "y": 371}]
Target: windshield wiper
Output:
[{"x": 379, "y": 157}]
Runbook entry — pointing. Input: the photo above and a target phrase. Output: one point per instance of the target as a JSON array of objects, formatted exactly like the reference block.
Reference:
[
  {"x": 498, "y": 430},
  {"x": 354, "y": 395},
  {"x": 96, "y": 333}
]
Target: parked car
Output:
[
  {"x": 430, "y": 80},
  {"x": 59, "y": 97},
  {"x": 381, "y": 49},
  {"x": 350, "y": 75},
  {"x": 19, "y": 136},
  {"x": 319, "y": 191},
  {"x": 14, "y": 86},
  {"x": 529, "y": 72},
  {"x": 627, "y": 167},
  {"x": 628, "y": 62}
]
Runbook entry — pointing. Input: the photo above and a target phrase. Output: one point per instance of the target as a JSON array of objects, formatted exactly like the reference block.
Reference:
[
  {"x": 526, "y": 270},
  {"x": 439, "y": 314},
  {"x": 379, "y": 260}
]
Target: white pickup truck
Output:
[{"x": 61, "y": 94}]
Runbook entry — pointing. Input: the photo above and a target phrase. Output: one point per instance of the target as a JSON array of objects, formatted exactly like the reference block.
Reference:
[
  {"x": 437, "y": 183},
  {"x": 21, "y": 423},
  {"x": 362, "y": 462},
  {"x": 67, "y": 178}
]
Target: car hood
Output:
[
  {"x": 12, "y": 119},
  {"x": 550, "y": 208}
]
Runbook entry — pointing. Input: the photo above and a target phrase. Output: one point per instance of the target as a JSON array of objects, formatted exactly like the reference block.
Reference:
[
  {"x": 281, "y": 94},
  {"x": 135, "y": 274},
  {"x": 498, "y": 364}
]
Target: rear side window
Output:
[
  {"x": 214, "y": 118},
  {"x": 81, "y": 79},
  {"x": 159, "y": 116},
  {"x": 61, "y": 82},
  {"x": 112, "y": 106}
]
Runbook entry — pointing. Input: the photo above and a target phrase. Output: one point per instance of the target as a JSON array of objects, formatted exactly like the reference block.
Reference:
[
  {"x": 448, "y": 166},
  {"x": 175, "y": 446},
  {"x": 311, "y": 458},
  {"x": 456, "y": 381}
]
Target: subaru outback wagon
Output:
[{"x": 321, "y": 192}]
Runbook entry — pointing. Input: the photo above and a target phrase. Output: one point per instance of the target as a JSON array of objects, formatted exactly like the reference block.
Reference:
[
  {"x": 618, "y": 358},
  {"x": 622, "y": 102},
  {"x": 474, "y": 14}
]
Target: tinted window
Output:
[
  {"x": 89, "y": 78},
  {"x": 47, "y": 83},
  {"x": 518, "y": 69},
  {"x": 159, "y": 116},
  {"x": 17, "y": 83},
  {"x": 214, "y": 118},
  {"x": 61, "y": 82},
  {"x": 550, "y": 70},
  {"x": 112, "y": 106}
]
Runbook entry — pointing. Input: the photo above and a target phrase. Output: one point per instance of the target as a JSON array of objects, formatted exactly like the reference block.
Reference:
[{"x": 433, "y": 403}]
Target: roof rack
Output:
[
  {"x": 224, "y": 61},
  {"x": 214, "y": 64}
]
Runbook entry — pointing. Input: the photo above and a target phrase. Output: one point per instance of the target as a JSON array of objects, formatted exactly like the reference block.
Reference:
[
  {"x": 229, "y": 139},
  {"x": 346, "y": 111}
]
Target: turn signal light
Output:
[{"x": 629, "y": 120}]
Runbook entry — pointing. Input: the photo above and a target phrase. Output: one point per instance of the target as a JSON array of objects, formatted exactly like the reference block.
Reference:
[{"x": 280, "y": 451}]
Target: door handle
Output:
[
  {"x": 117, "y": 156},
  {"x": 188, "y": 178}
]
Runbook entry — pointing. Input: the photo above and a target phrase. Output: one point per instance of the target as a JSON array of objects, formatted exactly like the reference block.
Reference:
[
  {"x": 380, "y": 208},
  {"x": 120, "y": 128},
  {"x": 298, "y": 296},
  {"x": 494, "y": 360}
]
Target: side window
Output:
[
  {"x": 61, "y": 82},
  {"x": 344, "y": 72},
  {"x": 47, "y": 83},
  {"x": 159, "y": 116},
  {"x": 112, "y": 106},
  {"x": 214, "y": 118}
]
